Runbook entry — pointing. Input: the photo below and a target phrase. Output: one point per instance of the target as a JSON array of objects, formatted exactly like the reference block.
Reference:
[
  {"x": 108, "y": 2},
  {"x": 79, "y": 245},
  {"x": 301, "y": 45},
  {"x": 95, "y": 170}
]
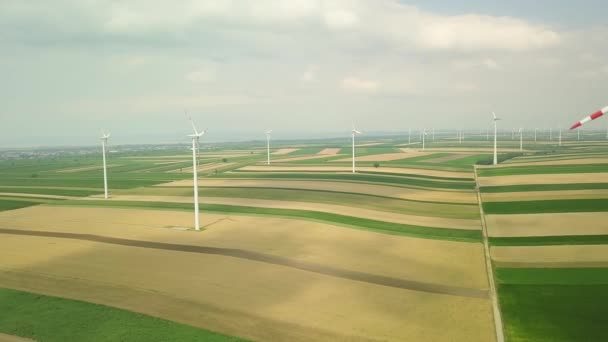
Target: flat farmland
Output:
[{"x": 286, "y": 295}]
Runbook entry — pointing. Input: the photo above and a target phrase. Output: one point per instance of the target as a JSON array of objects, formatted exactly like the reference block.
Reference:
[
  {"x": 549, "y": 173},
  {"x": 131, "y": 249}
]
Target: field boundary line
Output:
[{"x": 500, "y": 337}]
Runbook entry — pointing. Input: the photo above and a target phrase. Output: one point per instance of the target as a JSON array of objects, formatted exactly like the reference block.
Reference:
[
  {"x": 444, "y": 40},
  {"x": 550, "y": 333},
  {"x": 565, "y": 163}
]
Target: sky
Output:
[{"x": 304, "y": 68}]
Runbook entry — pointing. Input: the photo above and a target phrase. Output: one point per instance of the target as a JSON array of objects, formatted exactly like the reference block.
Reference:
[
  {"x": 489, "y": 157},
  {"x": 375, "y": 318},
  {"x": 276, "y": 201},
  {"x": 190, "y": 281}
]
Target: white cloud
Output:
[
  {"x": 359, "y": 85},
  {"x": 310, "y": 74},
  {"x": 204, "y": 73},
  {"x": 340, "y": 19}
]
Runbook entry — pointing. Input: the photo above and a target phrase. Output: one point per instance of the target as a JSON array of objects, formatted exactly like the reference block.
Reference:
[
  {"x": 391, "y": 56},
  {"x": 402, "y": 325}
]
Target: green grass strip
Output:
[
  {"x": 556, "y": 276},
  {"x": 46, "y": 318},
  {"x": 56, "y": 192},
  {"x": 549, "y": 206},
  {"x": 542, "y": 169},
  {"x": 543, "y": 187},
  {"x": 463, "y": 235},
  {"x": 550, "y": 240},
  {"x": 550, "y": 313},
  {"x": 10, "y": 204}
]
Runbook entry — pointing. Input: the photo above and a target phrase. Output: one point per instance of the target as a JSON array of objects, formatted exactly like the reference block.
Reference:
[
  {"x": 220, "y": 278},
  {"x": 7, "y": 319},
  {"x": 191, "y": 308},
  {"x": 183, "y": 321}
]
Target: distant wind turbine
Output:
[
  {"x": 104, "y": 143},
  {"x": 495, "y": 132},
  {"x": 521, "y": 139},
  {"x": 423, "y": 133},
  {"x": 195, "y": 148},
  {"x": 354, "y": 132},
  {"x": 268, "y": 146}
]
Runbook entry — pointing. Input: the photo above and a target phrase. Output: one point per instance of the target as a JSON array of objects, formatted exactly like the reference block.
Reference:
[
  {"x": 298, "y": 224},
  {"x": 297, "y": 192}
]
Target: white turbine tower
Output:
[
  {"x": 268, "y": 146},
  {"x": 535, "y": 134},
  {"x": 423, "y": 135},
  {"x": 409, "y": 136},
  {"x": 104, "y": 145},
  {"x": 521, "y": 139},
  {"x": 495, "y": 132},
  {"x": 195, "y": 148},
  {"x": 354, "y": 132}
]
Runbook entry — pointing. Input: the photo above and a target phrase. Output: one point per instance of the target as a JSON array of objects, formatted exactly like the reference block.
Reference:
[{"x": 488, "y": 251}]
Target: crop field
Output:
[
  {"x": 303, "y": 249},
  {"x": 546, "y": 222}
]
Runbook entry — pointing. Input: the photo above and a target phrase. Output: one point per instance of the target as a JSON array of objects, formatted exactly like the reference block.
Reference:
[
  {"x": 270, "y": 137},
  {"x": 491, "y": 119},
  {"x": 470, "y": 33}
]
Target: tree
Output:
[{"x": 376, "y": 165}]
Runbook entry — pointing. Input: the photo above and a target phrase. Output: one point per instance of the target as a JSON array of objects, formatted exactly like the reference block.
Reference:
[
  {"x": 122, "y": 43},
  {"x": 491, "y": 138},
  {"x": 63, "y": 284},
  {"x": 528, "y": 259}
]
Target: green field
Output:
[
  {"x": 543, "y": 187},
  {"x": 538, "y": 313},
  {"x": 549, "y": 206},
  {"x": 549, "y": 240},
  {"x": 45, "y": 318}
]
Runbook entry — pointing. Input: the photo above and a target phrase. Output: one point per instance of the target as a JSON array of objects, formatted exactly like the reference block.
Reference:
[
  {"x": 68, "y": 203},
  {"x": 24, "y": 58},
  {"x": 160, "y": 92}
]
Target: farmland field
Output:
[{"x": 304, "y": 249}]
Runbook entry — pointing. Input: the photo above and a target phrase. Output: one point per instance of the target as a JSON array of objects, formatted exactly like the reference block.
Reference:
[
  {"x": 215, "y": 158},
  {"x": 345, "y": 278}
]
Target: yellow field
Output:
[
  {"x": 302, "y": 290},
  {"x": 567, "y": 178},
  {"x": 383, "y": 157},
  {"x": 543, "y": 195},
  {"x": 551, "y": 256},
  {"x": 329, "y": 151},
  {"x": 284, "y": 151},
  {"x": 547, "y": 224}
]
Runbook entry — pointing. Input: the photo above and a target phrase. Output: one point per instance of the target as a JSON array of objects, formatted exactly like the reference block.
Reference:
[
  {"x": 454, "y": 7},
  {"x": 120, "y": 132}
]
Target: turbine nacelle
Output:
[{"x": 495, "y": 117}]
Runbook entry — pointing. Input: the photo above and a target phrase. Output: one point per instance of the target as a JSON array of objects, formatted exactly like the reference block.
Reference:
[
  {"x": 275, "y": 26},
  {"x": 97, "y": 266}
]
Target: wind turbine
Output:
[
  {"x": 495, "y": 131},
  {"x": 535, "y": 134},
  {"x": 409, "y": 136},
  {"x": 268, "y": 145},
  {"x": 460, "y": 136},
  {"x": 521, "y": 139},
  {"x": 104, "y": 143},
  {"x": 560, "y": 136},
  {"x": 354, "y": 132},
  {"x": 195, "y": 147},
  {"x": 423, "y": 135}
]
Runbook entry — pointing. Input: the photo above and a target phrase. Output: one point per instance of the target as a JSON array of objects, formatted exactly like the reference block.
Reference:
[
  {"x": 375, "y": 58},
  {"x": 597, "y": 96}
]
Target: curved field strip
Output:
[
  {"x": 238, "y": 297},
  {"x": 73, "y": 192},
  {"x": 284, "y": 151},
  {"x": 397, "y": 170},
  {"x": 554, "y": 206},
  {"x": 544, "y": 195},
  {"x": 417, "y": 220},
  {"x": 551, "y": 256},
  {"x": 449, "y": 158},
  {"x": 539, "y": 179},
  {"x": 39, "y": 317},
  {"x": 556, "y": 224},
  {"x": 361, "y": 178},
  {"x": 356, "y": 200},
  {"x": 431, "y": 261},
  {"x": 41, "y": 196},
  {"x": 85, "y": 168},
  {"x": 263, "y": 258},
  {"x": 424, "y": 195},
  {"x": 11, "y": 204},
  {"x": 468, "y": 235}
]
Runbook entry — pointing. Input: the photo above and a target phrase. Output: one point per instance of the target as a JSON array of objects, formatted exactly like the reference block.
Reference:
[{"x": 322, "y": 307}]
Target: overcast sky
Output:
[{"x": 69, "y": 68}]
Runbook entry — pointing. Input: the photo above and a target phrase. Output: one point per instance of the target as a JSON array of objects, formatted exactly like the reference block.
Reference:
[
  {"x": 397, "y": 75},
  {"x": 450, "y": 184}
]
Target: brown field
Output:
[
  {"x": 551, "y": 256},
  {"x": 84, "y": 168},
  {"x": 449, "y": 158},
  {"x": 543, "y": 195},
  {"x": 204, "y": 167},
  {"x": 544, "y": 179},
  {"x": 329, "y": 151},
  {"x": 423, "y": 172},
  {"x": 284, "y": 151},
  {"x": 465, "y": 197},
  {"x": 425, "y": 221},
  {"x": 12, "y": 338},
  {"x": 253, "y": 298},
  {"x": 285, "y": 160},
  {"x": 547, "y": 224},
  {"x": 383, "y": 157},
  {"x": 369, "y": 144}
]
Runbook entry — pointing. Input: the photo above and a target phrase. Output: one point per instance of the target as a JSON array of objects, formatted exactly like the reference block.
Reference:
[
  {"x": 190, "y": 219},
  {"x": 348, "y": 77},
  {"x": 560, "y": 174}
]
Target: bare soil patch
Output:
[
  {"x": 544, "y": 179},
  {"x": 329, "y": 152},
  {"x": 283, "y": 151}
]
